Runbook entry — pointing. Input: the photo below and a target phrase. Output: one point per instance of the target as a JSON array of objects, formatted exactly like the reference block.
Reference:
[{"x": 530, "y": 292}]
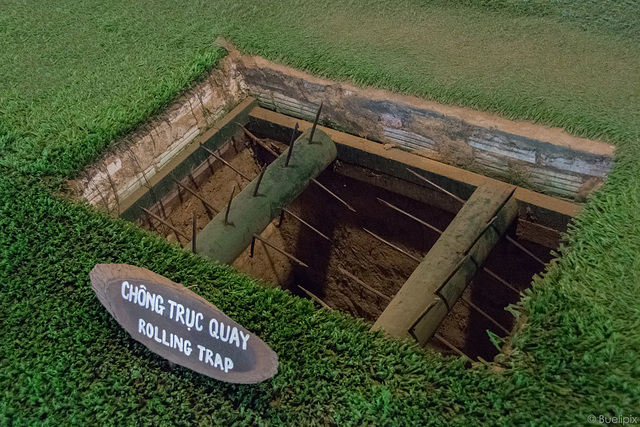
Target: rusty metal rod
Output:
[
  {"x": 509, "y": 238},
  {"x": 321, "y": 234},
  {"x": 426, "y": 224},
  {"x": 364, "y": 285},
  {"x": 226, "y": 215},
  {"x": 315, "y": 123},
  {"x": 195, "y": 194},
  {"x": 437, "y": 186},
  {"x": 484, "y": 314},
  {"x": 450, "y": 346},
  {"x": 335, "y": 196},
  {"x": 162, "y": 221},
  {"x": 491, "y": 273},
  {"x": 194, "y": 232},
  {"x": 225, "y": 162},
  {"x": 293, "y": 140},
  {"x": 193, "y": 181},
  {"x": 253, "y": 247},
  {"x": 315, "y": 298},
  {"x": 177, "y": 235},
  {"x": 501, "y": 280},
  {"x": 525, "y": 250},
  {"x": 258, "y": 140},
  {"x": 275, "y": 248},
  {"x": 415, "y": 258},
  {"x": 255, "y": 190}
]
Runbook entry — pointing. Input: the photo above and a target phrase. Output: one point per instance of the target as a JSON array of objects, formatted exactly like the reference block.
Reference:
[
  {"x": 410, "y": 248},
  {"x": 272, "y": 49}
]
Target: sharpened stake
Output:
[
  {"x": 293, "y": 140},
  {"x": 195, "y": 194},
  {"x": 194, "y": 232},
  {"x": 226, "y": 215},
  {"x": 255, "y": 191},
  {"x": 364, "y": 285},
  {"x": 277, "y": 249},
  {"x": 335, "y": 196},
  {"x": 437, "y": 186},
  {"x": 324, "y": 236},
  {"x": 315, "y": 298},
  {"x": 315, "y": 123},
  {"x": 484, "y": 314},
  {"x": 391, "y": 245},
  {"x": 162, "y": 221},
  {"x": 225, "y": 162}
]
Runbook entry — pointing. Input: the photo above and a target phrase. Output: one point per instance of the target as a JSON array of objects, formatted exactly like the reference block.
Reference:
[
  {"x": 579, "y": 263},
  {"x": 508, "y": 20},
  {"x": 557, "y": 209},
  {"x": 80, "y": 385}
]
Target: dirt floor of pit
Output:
[{"x": 353, "y": 250}]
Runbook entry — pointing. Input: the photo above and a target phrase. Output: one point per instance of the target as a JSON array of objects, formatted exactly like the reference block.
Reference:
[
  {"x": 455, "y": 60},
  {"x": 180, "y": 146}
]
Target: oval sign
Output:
[{"x": 181, "y": 326}]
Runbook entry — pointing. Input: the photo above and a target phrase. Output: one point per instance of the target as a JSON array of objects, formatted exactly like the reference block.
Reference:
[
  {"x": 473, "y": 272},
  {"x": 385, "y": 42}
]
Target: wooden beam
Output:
[{"x": 450, "y": 265}]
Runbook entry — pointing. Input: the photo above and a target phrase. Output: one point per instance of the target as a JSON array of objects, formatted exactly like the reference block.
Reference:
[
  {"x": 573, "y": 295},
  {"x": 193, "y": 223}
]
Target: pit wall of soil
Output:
[{"x": 545, "y": 160}]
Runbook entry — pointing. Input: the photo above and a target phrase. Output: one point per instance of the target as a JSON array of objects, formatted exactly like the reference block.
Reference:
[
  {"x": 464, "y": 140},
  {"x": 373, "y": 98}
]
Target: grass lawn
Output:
[{"x": 76, "y": 75}]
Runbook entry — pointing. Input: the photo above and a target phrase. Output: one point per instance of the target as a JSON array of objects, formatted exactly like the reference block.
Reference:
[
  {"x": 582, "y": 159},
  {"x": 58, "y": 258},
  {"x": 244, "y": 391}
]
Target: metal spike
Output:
[
  {"x": 195, "y": 194},
  {"x": 484, "y": 314},
  {"x": 253, "y": 247},
  {"x": 437, "y": 186},
  {"x": 255, "y": 191},
  {"x": 225, "y": 162},
  {"x": 315, "y": 298},
  {"x": 293, "y": 140},
  {"x": 162, "y": 221},
  {"x": 364, "y": 285},
  {"x": 391, "y": 245},
  {"x": 277, "y": 249},
  {"x": 226, "y": 215},
  {"x": 315, "y": 123},
  {"x": 311, "y": 227},
  {"x": 315, "y": 181},
  {"x": 450, "y": 346}
]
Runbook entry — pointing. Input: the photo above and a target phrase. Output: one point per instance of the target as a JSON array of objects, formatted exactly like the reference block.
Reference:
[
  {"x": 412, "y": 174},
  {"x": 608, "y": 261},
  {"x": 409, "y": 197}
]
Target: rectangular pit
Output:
[{"x": 356, "y": 273}]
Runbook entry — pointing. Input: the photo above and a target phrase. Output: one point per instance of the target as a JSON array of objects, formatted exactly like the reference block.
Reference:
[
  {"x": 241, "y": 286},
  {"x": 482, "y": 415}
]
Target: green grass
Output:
[
  {"x": 618, "y": 17},
  {"x": 76, "y": 75}
]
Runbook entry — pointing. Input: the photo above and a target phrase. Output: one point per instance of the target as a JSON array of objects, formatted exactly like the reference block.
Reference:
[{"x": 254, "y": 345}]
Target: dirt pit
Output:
[{"x": 353, "y": 271}]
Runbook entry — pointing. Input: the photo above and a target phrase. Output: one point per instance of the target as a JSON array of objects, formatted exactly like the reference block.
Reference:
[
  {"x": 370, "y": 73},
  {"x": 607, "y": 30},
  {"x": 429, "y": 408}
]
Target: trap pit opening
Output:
[{"x": 354, "y": 272}]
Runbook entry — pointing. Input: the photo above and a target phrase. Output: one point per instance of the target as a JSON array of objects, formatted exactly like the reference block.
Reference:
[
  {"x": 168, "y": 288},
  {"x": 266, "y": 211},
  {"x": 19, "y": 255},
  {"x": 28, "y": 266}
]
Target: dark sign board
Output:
[{"x": 181, "y": 326}]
